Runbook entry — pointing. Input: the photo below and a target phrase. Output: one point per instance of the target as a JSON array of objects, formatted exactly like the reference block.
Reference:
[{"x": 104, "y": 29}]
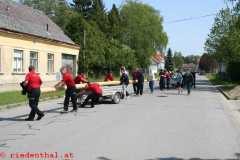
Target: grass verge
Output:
[
  {"x": 15, "y": 97},
  {"x": 229, "y": 88}
]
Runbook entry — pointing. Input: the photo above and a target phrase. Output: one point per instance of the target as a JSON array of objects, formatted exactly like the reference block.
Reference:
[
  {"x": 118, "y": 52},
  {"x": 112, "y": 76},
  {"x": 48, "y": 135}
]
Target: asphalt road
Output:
[{"x": 150, "y": 127}]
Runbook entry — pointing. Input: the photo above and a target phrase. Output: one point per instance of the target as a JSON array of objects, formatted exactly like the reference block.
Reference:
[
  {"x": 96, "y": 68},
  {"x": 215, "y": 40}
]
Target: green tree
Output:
[
  {"x": 178, "y": 60},
  {"x": 223, "y": 40},
  {"x": 207, "y": 63},
  {"x": 49, "y": 7},
  {"x": 84, "y": 7},
  {"x": 191, "y": 59},
  {"x": 169, "y": 60},
  {"x": 142, "y": 30},
  {"x": 114, "y": 23}
]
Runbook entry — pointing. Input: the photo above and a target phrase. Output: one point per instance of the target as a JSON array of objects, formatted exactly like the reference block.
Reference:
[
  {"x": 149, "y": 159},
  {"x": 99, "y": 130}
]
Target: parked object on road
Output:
[
  {"x": 33, "y": 83},
  {"x": 112, "y": 93}
]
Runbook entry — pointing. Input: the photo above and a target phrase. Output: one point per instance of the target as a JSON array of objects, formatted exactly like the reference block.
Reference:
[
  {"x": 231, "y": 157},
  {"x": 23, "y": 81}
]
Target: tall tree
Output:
[
  {"x": 114, "y": 22},
  {"x": 169, "y": 60},
  {"x": 178, "y": 60},
  {"x": 99, "y": 15},
  {"x": 84, "y": 7},
  {"x": 142, "y": 30},
  {"x": 49, "y": 7}
]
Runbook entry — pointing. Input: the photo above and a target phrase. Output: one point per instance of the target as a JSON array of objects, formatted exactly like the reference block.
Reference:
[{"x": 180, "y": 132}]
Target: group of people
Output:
[
  {"x": 187, "y": 79},
  {"x": 32, "y": 84}
]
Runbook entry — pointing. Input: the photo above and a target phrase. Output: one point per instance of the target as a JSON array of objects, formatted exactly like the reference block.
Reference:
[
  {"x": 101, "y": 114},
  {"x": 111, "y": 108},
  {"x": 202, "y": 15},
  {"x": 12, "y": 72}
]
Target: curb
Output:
[{"x": 227, "y": 96}]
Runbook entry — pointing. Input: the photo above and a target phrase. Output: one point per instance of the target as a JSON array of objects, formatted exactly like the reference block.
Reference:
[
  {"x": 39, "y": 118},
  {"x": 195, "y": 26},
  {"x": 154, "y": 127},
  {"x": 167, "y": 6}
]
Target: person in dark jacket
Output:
[
  {"x": 140, "y": 83},
  {"x": 168, "y": 78},
  {"x": 188, "y": 81},
  {"x": 162, "y": 80},
  {"x": 135, "y": 75},
  {"x": 33, "y": 83},
  {"x": 194, "y": 79}
]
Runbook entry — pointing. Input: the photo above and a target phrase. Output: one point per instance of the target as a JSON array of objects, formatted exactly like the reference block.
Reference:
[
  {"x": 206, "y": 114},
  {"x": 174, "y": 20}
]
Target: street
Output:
[{"x": 150, "y": 127}]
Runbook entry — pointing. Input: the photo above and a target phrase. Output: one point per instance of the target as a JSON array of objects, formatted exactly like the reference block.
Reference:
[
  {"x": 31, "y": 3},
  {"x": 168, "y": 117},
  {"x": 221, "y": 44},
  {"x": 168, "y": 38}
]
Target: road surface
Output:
[{"x": 150, "y": 127}]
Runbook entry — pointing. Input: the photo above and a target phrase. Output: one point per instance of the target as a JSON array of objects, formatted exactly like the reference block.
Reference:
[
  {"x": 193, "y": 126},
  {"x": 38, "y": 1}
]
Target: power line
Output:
[{"x": 191, "y": 18}]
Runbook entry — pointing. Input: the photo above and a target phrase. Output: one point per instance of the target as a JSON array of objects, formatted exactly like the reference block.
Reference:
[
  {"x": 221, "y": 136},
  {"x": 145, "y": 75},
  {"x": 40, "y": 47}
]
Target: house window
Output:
[
  {"x": 50, "y": 63},
  {"x": 18, "y": 61},
  {"x": 34, "y": 60}
]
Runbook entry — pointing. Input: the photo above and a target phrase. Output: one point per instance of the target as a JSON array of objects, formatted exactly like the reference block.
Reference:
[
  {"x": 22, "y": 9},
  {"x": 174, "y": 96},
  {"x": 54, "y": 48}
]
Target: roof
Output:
[
  {"x": 188, "y": 65},
  {"x": 158, "y": 57},
  {"x": 23, "y": 19}
]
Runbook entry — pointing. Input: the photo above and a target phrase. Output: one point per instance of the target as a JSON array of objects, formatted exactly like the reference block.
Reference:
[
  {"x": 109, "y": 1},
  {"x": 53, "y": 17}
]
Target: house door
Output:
[{"x": 69, "y": 61}]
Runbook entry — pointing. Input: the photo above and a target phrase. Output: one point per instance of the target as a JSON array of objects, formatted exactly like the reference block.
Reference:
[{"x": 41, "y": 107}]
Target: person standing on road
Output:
[
  {"x": 140, "y": 83},
  {"x": 188, "y": 81},
  {"x": 33, "y": 83},
  {"x": 194, "y": 79},
  {"x": 71, "y": 88},
  {"x": 135, "y": 75},
  {"x": 151, "y": 82},
  {"x": 124, "y": 81},
  {"x": 179, "y": 80},
  {"x": 168, "y": 78},
  {"x": 162, "y": 80}
]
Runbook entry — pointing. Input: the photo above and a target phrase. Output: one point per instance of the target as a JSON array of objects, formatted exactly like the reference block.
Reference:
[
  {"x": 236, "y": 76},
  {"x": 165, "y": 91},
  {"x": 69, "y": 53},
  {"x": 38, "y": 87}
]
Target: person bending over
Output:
[{"x": 93, "y": 92}]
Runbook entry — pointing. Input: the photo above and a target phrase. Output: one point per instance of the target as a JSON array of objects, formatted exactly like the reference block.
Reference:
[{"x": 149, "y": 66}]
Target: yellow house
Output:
[{"x": 28, "y": 37}]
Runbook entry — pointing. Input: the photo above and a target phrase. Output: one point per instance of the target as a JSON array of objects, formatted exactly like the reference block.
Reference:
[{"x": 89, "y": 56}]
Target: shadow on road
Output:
[
  {"x": 20, "y": 117},
  {"x": 237, "y": 155}
]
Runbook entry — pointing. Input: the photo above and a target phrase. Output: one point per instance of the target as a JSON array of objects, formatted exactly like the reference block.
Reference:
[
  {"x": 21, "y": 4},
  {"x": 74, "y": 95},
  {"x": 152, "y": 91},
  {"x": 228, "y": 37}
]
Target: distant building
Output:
[
  {"x": 29, "y": 37},
  {"x": 189, "y": 67},
  {"x": 157, "y": 63}
]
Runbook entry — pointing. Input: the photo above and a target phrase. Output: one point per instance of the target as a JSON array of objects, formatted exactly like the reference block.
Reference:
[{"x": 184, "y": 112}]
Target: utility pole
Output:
[{"x": 84, "y": 50}]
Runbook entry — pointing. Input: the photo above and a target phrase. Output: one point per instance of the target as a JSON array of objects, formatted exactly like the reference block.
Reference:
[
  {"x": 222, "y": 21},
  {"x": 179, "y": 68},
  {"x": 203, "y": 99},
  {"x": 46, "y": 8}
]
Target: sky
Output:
[{"x": 187, "y": 37}]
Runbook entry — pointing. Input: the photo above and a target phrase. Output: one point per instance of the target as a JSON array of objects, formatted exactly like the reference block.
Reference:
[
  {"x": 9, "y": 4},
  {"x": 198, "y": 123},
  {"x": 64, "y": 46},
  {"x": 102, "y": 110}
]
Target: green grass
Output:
[
  {"x": 13, "y": 97},
  {"x": 216, "y": 80},
  {"x": 225, "y": 85}
]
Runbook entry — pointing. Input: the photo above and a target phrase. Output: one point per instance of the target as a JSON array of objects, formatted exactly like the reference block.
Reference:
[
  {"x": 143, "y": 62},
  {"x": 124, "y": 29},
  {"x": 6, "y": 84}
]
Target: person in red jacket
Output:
[
  {"x": 93, "y": 92},
  {"x": 33, "y": 83},
  {"x": 109, "y": 76},
  {"x": 71, "y": 88},
  {"x": 81, "y": 78}
]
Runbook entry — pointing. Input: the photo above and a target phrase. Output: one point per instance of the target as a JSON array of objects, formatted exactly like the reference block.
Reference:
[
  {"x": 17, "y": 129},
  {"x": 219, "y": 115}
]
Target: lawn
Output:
[
  {"x": 216, "y": 80},
  {"x": 14, "y": 97},
  {"x": 230, "y": 88}
]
